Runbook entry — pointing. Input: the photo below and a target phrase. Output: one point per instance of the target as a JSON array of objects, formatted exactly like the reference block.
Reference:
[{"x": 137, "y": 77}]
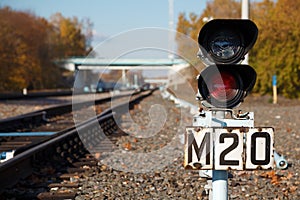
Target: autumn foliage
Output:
[
  {"x": 29, "y": 45},
  {"x": 277, "y": 50}
]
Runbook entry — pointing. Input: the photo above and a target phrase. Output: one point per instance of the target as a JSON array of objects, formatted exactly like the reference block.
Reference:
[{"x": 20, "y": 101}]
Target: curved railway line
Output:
[{"x": 63, "y": 148}]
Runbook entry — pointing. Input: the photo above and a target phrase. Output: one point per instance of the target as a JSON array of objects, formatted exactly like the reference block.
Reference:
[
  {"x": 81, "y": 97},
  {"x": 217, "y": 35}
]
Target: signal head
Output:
[{"x": 226, "y": 41}]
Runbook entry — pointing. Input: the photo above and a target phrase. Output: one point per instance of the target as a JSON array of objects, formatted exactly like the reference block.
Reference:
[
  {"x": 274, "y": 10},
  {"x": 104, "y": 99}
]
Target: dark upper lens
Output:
[{"x": 224, "y": 44}]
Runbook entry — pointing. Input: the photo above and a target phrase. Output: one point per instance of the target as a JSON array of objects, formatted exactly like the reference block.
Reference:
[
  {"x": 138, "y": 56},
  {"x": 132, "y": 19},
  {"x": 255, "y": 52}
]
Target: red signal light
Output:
[{"x": 223, "y": 87}]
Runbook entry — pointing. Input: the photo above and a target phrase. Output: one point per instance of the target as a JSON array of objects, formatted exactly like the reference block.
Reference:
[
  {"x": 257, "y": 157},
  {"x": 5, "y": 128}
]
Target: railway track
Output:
[
  {"x": 28, "y": 121},
  {"x": 37, "y": 94},
  {"x": 65, "y": 146},
  {"x": 24, "y": 131}
]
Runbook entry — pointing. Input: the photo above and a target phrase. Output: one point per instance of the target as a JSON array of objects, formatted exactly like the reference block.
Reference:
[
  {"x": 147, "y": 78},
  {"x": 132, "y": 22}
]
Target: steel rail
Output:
[
  {"x": 35, "y": 118},
  {"x": 21, "y": 165},
  {"x": 31, "y": 95}
]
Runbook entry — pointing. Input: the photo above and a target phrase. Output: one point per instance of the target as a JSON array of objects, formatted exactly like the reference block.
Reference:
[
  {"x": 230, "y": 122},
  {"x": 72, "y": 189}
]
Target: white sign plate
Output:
[
  {"x": 200, "y": 147},
  {"x": 229, "y": 148},
  {"x": 260, "y": 148}
]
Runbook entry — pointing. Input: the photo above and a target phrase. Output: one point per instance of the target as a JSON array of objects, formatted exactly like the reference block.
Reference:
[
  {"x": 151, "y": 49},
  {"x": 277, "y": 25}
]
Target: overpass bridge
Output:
[
  {"x": 85, "y": 68},
  {"x": 74, "y": 64}
]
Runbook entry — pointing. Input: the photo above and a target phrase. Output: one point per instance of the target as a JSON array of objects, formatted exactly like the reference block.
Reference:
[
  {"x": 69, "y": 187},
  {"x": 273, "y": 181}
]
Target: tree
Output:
[
  {"x": 30, "y": 44},
  {"x": 19, "y": 46},
  {"x": 277, "y": 48},
  {"x": 187, "y": 46},
  {"x": 69, "y": 35},
  {"x": 222, "y": 9}
]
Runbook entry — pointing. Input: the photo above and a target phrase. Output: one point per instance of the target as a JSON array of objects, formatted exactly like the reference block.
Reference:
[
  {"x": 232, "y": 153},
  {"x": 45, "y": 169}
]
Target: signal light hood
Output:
[{"x": 232, "y": 37}]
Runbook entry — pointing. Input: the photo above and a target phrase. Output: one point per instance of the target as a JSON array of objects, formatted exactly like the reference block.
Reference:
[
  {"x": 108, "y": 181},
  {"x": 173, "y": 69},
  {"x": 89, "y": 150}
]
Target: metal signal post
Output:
[{"x": 221, "y": 139}]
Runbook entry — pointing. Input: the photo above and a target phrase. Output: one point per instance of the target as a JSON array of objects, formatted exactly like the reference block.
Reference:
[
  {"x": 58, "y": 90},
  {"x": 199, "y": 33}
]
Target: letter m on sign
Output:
[{"x": 198, "y": 148}]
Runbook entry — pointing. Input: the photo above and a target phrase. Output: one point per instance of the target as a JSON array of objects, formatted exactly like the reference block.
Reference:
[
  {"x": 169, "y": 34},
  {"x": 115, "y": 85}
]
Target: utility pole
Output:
[
  {"x": 245, "y": 9},
  {"x": 245, "y": 15},
  {"x": 171, "y": 30}
]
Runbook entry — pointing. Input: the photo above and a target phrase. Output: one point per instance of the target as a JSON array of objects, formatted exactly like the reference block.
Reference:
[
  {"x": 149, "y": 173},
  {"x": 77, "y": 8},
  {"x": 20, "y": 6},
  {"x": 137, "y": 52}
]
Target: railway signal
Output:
[
  {"x": 216, "y": 142},
  {"x": 223, "y": 44},
  {"x": 223, "y": 85}
]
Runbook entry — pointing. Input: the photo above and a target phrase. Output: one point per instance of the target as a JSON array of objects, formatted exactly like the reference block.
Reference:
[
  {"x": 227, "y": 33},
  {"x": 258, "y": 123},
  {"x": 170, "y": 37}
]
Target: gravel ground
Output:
[{"x": 147, "y": 164}]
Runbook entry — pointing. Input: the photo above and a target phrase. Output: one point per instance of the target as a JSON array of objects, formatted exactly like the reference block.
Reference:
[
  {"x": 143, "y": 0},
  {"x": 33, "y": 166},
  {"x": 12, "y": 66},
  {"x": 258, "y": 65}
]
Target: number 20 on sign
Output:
[{"x": 229, "y": 148}]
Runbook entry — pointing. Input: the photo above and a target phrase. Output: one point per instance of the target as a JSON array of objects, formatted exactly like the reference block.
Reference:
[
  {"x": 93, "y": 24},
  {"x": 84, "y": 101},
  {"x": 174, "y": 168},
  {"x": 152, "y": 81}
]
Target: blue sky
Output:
[
  {"x": 111, "y": 17},
  {"x": 119, "y": 26}
]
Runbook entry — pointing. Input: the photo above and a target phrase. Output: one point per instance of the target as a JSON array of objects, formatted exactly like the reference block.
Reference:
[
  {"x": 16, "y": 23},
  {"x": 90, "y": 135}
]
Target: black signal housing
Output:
[{"x": 223, "y": 43}]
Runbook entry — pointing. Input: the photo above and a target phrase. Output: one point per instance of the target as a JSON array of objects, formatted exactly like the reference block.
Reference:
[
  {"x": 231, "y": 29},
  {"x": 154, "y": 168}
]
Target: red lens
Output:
[{"x": 223, "y": 86}]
